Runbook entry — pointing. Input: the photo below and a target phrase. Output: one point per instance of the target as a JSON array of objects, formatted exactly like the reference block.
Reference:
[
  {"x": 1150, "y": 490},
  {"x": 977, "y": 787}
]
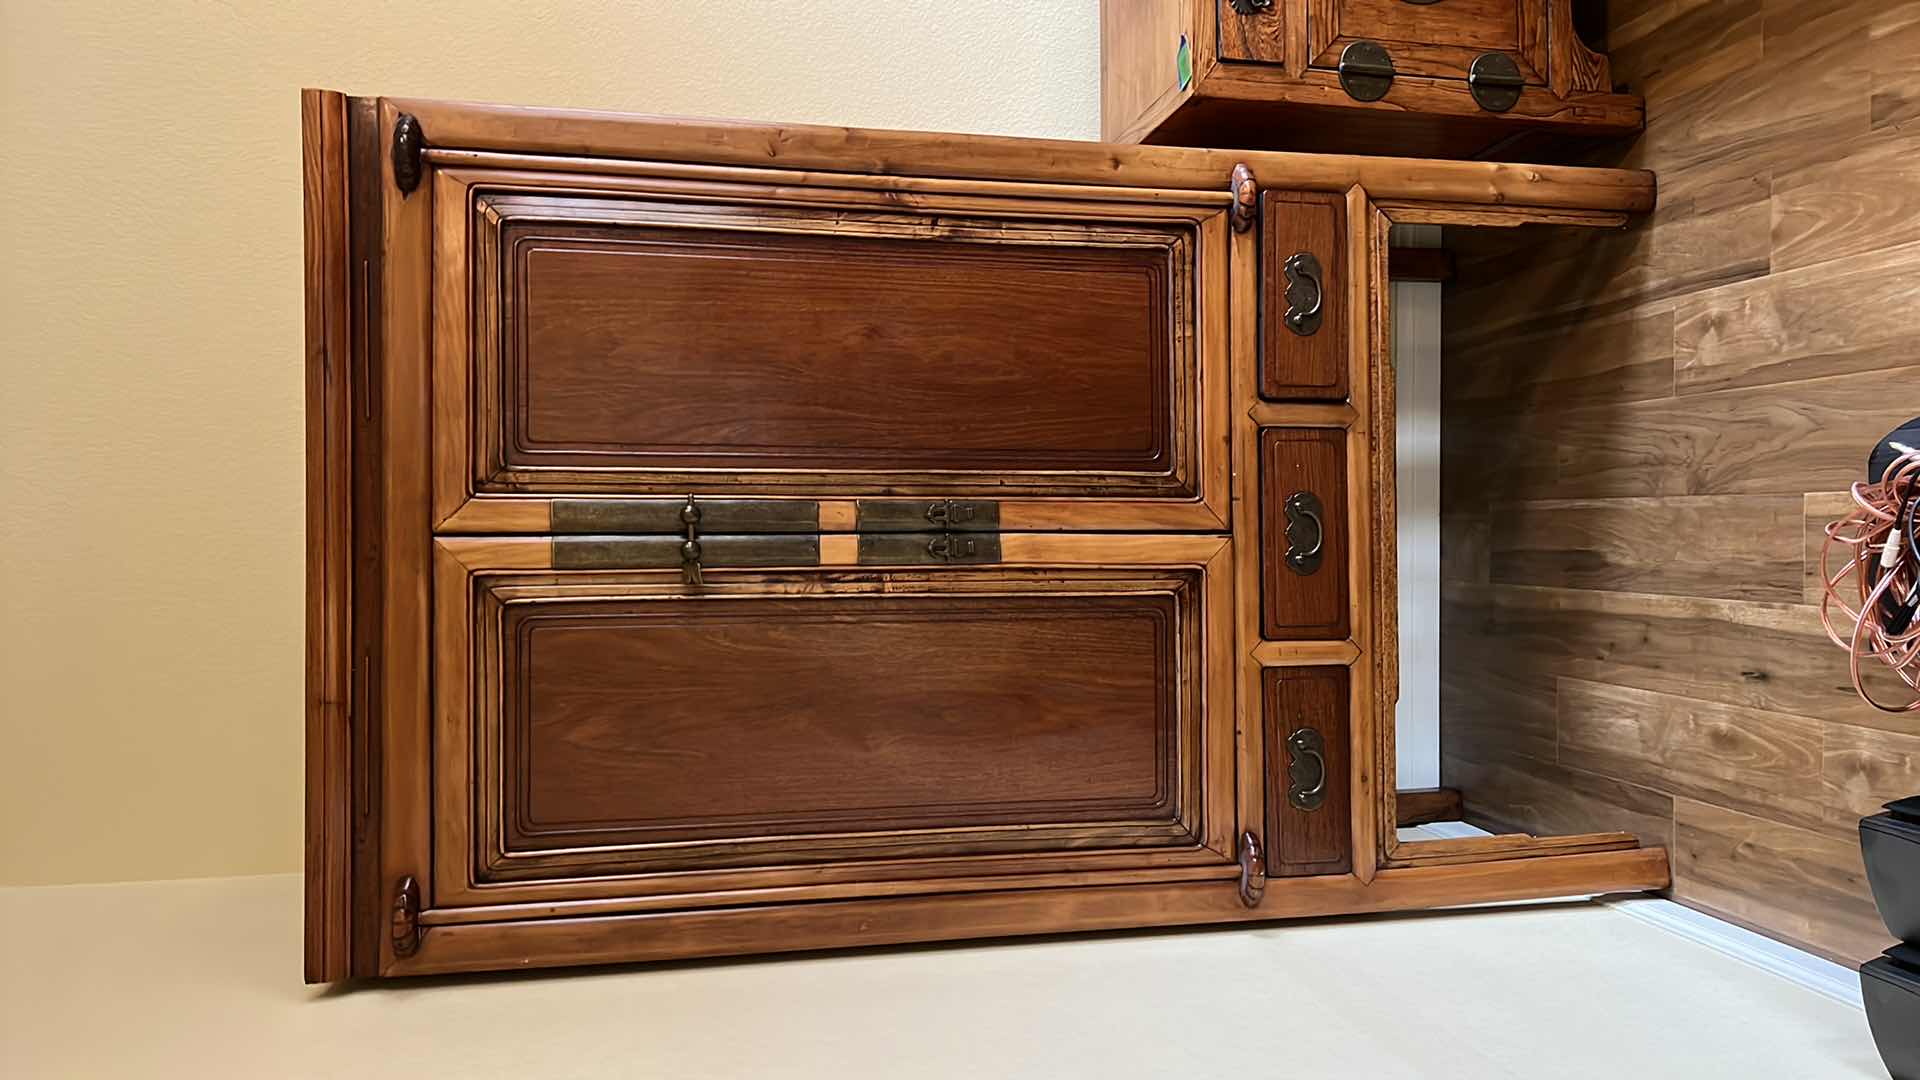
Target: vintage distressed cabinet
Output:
[
  {"x": 1503, "y": 79},
  {"x": 731, "y": 539}
]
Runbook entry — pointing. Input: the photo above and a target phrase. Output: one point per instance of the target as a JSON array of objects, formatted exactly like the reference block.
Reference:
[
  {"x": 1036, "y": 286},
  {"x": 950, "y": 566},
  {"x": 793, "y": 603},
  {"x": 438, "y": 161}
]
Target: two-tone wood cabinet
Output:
[{"x": 731, "y": 539}]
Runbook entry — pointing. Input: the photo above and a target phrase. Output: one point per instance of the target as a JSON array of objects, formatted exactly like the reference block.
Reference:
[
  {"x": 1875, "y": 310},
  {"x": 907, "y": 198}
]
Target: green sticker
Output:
[{"x": 1185, "y": 62}]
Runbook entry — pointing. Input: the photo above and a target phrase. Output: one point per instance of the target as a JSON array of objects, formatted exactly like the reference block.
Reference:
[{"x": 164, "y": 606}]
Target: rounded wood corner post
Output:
[
  {"x": 1243, "y": 391},
  {"x": 329, "y": 569},
  {"x": 405, "y": 332},
  {"x": 1373, "y": 591}
]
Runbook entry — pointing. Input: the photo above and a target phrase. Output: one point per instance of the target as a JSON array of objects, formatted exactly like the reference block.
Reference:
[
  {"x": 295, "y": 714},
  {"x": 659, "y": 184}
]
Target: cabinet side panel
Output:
[{"x": 329, "y": 640}]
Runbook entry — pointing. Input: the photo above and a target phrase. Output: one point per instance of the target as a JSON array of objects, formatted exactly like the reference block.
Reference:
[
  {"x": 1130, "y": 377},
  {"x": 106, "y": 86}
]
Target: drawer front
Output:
[
  {"x": 612, "y": 732},
  {"x": 1308, "y": 817},
  {"x": 1439, "y": 39},
  {"x": 727, "y": 337},
  {"x": 1303, "y": 296},
  {"x": 1256, "y": 36},
  {"x": 1303, "y": 533}
]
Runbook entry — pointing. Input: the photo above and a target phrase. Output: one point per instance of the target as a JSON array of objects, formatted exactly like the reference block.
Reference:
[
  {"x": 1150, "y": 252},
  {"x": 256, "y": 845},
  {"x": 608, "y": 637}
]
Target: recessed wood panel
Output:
[
  {"x": 1303, "y": 366},
  {"x": 648, "y": 344},
  {"x": 1314, "y": 838},
  {"x": 689, "y": 720},
  {"x": 1440, "y": 39},
  {"x": 1303, "y": 603},
  {"x": 615, "y": 725}
]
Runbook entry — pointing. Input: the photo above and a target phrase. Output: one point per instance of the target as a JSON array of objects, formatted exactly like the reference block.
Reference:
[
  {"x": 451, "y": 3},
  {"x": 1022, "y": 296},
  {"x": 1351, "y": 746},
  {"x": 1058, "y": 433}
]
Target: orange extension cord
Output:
[{"x": 1882, "y": 555}]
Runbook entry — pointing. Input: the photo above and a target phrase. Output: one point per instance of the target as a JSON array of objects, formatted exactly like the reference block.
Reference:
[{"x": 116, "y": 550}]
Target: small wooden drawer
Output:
[
  {"x": 1309, "y": 829},
  {"x": 1440, "y": 39},
  {"x": 1303, "y": 324},
  {"x": 1303, "y": 533}
]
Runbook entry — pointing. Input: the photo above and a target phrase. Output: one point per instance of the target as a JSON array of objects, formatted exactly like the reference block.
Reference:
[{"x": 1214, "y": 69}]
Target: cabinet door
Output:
[
  {"x": 828, "y": 336},
  {"x": 1306, "y": 736},
  {"x": 1441, "y": 38},
  {"x": 1303, "y": 296},
  {"x": 611, "y": 737}
]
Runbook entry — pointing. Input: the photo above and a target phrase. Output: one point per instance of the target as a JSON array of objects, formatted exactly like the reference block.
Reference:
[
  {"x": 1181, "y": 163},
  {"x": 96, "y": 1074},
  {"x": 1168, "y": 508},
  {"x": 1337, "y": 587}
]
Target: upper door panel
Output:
[{"x": 636, "y": 335}]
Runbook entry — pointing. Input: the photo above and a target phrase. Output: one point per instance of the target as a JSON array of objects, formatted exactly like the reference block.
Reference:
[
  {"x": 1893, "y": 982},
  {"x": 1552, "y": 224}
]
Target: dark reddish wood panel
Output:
[
  {"x": 1317, "y": 841},
  {"x": 676, "y": 721},
  {"x": 1311, "y": 367},
  {"x": 683, "y": 348},
  {"x": 1294, "y": 605}
]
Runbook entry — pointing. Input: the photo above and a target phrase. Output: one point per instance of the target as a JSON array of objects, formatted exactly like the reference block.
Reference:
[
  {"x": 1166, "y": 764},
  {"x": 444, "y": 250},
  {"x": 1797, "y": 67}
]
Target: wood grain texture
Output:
[
  {"x": 1298, "y": 605},
  {"x": 1061, "y": 739},
  {"x": 1318, "y": 840},
  {"x": 1272, "y": 82},
  {"x": 1139, "y": 64},
  {"x": 1293, "y": 366},
  {"x": 1806, "y": 887},
  {"x": 873, "y": 151},
  {"x": 1643, "y": 638},
  {"x": 1261, "y": 37},
  {"x": 1748, "y": 546},
  {"x": 791, "y": 927},
  {"x": 329, "y": 588}
]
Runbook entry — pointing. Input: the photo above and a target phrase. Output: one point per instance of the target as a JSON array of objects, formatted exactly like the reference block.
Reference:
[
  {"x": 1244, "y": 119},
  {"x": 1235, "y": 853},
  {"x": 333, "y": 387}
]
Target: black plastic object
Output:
[
  {"x": 1890, "y": 985},
  {"x": 1907, "y": 434},
  {"x": 1890, "y": 843}
]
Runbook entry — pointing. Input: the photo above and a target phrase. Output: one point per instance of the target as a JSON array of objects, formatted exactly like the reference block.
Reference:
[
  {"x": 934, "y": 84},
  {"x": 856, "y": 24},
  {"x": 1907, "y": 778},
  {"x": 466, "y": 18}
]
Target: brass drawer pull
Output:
[
  {"x": 1306, "y": 293},
  {"x": 1306, "y": 534},
  {"x": 1306, "y": 769}
]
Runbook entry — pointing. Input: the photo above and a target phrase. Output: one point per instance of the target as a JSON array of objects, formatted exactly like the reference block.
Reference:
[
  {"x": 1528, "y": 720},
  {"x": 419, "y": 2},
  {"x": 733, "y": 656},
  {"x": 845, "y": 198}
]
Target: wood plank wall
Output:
[{"x": 1644, "y": 432}]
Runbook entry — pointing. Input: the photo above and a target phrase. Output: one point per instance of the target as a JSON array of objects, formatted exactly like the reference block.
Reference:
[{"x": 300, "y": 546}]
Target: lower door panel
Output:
[{"x": 611, "y": 734}]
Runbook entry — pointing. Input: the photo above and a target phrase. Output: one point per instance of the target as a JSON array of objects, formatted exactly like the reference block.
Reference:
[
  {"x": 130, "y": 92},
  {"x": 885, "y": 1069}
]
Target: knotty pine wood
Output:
[{"x": 1629, "y": 631}]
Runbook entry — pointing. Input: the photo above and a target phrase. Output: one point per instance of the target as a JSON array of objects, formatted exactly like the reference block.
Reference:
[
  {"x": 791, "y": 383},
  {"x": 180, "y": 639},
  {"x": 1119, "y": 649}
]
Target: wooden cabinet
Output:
[
  {"x": 731, "y": 539},
  {"x": 1440, "y": 78}
]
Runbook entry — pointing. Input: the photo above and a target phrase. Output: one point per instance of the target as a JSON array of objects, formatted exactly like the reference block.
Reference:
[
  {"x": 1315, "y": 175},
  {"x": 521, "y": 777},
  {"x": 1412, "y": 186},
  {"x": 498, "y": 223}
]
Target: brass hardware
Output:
[
  {"x": 1251, "y": 7},
  {"x": 1306, "y": 769},
  {"x": 708, "y": 552},
  {"x": 1306, "y": 293},
  {"x": 409, "y": 143},
  {"x": 928, "y": 549},
  {"x": 1495, "y": 81},
  {"x": 1366, "y": 71},
  {"x": 690, "y": 548},
  {"x": 1306, "y": 534},
  {"x": 1246, "y": 197},
  {"x": 604, "y": 516},
  {"x": 404, "y": 917},
  {"x": 1253, "y": 870},
  {"x": 920, "y": 515}
]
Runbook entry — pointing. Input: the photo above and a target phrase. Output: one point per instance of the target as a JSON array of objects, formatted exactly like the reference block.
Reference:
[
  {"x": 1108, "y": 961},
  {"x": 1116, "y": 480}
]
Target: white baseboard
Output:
[{"x": 1797, "y": 966}]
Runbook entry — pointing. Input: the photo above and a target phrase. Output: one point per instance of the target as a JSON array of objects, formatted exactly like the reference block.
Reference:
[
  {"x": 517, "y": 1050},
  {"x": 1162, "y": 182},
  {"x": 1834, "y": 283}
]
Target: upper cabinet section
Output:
[
  {"x": 1511, "y": 79},
  {"x": 609, "y": 335}
]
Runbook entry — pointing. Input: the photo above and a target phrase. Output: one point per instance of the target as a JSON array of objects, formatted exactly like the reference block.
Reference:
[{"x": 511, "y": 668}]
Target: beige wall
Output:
[{"x": 150, "y": 327}]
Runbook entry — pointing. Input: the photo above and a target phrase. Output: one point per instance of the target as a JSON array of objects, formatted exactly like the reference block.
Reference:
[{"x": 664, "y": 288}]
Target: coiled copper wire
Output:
[{"x": 1886, "y": 514}]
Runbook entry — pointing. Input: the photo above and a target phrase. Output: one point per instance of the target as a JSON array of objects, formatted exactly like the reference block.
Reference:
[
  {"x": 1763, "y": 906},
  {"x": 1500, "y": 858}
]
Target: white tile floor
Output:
[{"x": 202, "y": 978}]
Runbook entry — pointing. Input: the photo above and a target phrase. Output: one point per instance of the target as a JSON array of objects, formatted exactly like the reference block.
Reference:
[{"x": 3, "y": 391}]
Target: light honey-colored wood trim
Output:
[
  {"x": 728, "y": 931},
  {"x": 329, "y": 864},
  {"x": 1493, "y": 848},
  {"x": 1268, "y": 654},
  {"x": 579, "y": 132},
  {"x": 1367, "y": 439},
  {"x": 1338, "y": 414},
  {"x": 406, "y": 656}
]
